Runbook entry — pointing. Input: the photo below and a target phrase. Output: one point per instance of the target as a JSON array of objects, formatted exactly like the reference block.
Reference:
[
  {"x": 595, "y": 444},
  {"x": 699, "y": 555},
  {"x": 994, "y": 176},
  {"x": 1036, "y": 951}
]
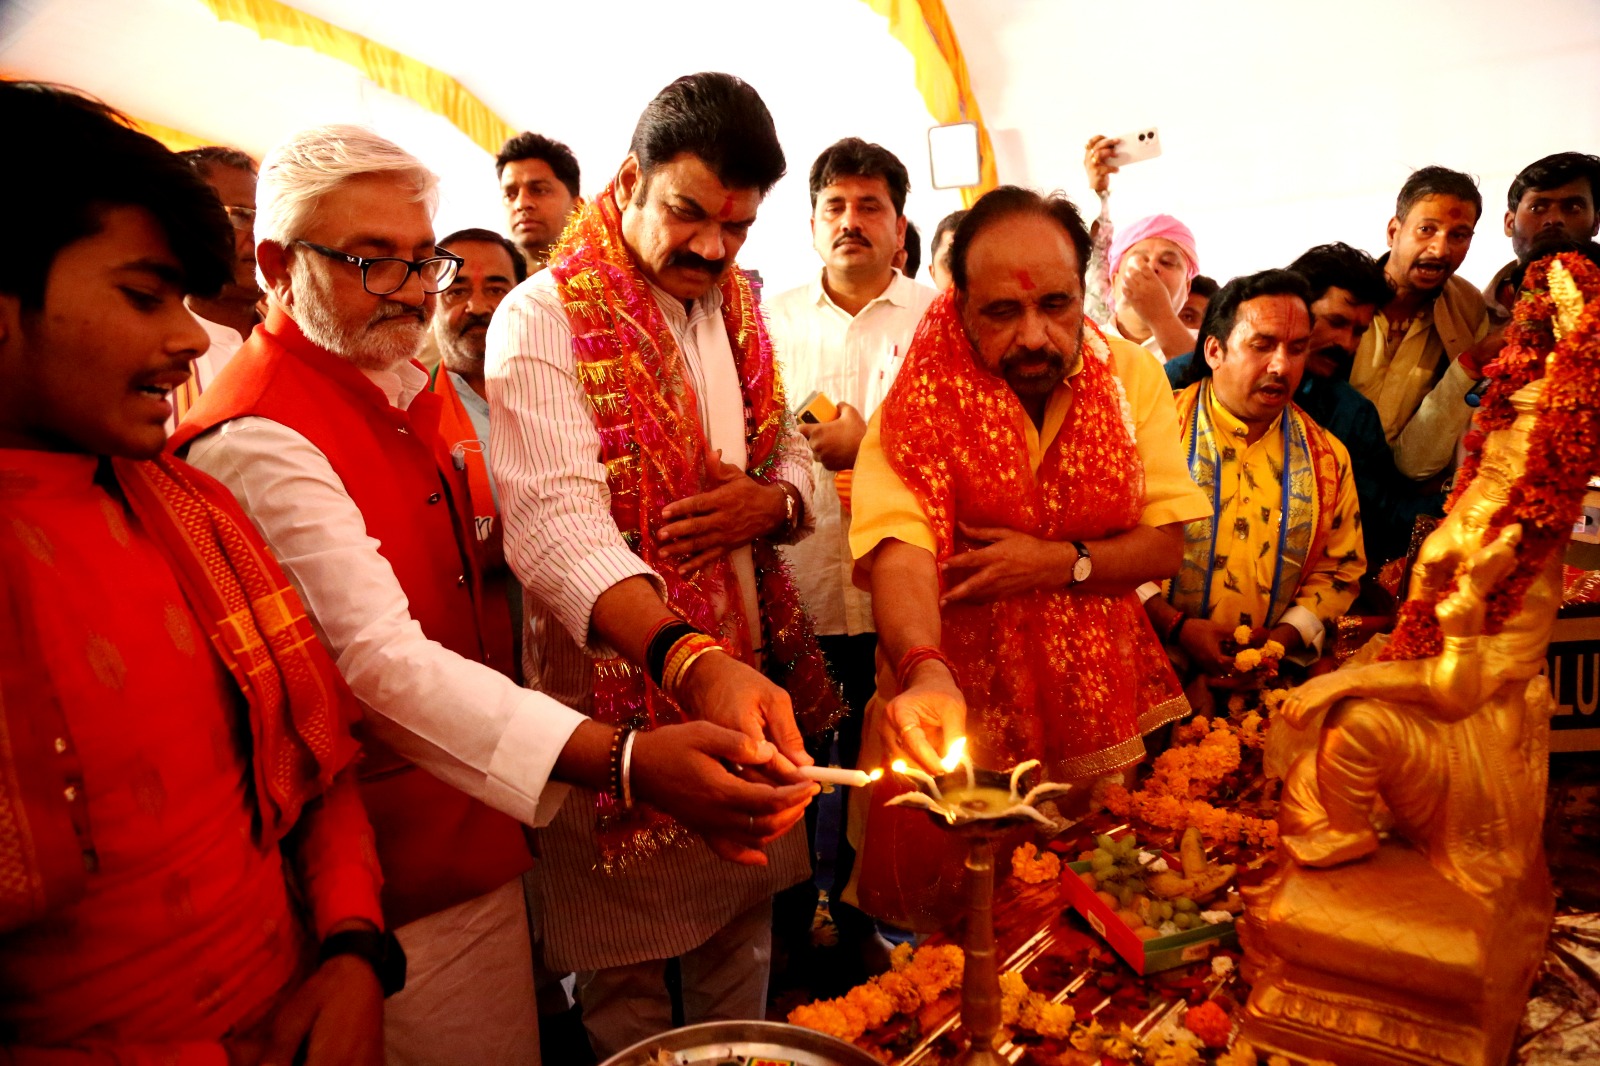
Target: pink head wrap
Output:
[{"x": 1164, "y": 226}]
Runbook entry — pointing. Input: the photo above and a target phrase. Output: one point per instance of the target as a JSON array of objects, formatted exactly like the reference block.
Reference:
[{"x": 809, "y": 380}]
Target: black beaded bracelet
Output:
[{"x": 655, "y": 656}]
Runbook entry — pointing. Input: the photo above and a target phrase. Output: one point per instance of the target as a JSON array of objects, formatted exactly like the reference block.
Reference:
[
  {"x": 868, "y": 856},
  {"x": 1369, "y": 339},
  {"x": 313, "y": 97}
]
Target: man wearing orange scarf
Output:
[
  {"x": 648, "y": 467},
  {"x": 1019, "y": 483},
  {"x": 174, "y": 774}
]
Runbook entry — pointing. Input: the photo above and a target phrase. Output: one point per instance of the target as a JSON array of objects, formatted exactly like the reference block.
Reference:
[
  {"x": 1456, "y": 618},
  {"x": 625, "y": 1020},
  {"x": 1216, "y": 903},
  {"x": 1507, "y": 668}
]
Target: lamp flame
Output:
[{"x": 952, "y": 758}]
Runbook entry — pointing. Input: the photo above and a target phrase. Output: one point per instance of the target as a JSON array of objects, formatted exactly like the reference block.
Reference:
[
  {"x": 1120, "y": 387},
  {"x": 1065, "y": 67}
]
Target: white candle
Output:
[
  {"x": 905, "y": 769},
  {"x": 1016, "y": 777},
  {"x": 834, "y": 775}
]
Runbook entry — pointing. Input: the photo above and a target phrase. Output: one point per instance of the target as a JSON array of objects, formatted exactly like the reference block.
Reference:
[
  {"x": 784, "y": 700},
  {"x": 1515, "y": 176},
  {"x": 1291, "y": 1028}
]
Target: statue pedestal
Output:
[{"x": 1384, "y": 962}]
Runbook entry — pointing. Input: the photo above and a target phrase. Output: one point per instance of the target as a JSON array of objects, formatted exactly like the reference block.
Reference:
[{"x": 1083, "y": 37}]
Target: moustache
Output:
[
  {"x": 1271, "y": 380},
  {"x": 390, "y": 309},
  {"x": 691, "y": 261},
  {"x": 1050, "y": 356},
  {"x": 470, "y": 321},
  {"x": 852, "y": 235}
]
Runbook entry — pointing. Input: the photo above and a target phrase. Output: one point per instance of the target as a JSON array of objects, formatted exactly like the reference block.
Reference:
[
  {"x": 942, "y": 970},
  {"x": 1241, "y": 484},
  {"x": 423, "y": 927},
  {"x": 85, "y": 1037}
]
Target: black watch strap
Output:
[{"x": 381, "y": 951}]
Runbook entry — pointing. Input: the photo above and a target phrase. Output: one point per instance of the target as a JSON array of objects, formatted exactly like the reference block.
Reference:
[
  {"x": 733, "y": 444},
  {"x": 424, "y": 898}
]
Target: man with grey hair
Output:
[{"x": 324, "y": 429}]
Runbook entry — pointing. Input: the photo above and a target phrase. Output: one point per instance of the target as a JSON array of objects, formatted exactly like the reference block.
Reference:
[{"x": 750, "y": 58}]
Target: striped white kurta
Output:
[{"x": 566, "y": 549}]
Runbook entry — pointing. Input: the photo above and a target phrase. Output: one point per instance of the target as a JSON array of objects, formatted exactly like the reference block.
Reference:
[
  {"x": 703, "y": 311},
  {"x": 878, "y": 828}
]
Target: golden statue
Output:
[{"x": 1420, "y": 948}]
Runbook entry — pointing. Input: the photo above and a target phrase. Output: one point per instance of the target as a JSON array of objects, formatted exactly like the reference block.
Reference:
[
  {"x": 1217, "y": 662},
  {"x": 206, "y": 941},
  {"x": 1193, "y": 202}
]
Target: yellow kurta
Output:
[
  {"x": 1248, "y": 528},
  {"x": 885, "y": 509}
]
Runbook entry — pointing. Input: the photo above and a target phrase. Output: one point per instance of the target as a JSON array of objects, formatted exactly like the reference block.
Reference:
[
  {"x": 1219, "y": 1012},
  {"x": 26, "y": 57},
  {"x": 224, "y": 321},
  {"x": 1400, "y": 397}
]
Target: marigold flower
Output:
[{"x": 1210, "y": 1023}]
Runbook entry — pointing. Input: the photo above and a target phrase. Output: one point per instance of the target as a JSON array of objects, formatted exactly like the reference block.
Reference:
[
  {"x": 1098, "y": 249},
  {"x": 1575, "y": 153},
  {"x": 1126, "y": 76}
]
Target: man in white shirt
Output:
[
  {"x": 324, "y": 429},
  {"x": 647, "y": 467},
  {"x": 844, "y": 334}
]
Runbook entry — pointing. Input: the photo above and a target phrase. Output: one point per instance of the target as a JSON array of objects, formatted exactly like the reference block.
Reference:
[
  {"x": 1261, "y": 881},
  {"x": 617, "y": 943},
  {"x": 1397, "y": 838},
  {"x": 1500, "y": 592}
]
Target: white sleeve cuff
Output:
[
  {"x": 1311, "y": 631},
  {"x": 520, "y": 769},
  {"x": 1146, "y": 590}
]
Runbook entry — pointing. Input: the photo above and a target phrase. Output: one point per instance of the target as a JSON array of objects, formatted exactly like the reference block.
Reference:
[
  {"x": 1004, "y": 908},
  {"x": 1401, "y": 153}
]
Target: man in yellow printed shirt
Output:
[{"x": 1283, "y": 553}]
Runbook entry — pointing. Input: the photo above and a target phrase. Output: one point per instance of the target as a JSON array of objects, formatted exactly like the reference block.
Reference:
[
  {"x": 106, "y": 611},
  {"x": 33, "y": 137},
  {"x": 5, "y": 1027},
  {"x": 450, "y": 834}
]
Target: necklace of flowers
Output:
[{"x": 1563, "y": 449}]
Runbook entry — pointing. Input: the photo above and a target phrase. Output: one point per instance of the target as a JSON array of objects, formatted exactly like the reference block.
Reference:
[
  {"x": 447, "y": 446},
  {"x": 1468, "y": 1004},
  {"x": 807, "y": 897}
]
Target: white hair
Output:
[{"x": 299, "y": 172}]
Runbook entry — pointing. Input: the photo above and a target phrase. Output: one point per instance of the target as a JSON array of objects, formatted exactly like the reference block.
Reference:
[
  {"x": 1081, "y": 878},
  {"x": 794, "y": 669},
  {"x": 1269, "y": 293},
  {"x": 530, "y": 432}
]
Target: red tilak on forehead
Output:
[
  {"x": 727, "y": 209},
  {"x": 1024, "y": 280}
]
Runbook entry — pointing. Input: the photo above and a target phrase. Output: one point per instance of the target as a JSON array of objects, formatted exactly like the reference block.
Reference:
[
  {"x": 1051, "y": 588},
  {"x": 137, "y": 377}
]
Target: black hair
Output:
[
  {"x": 519, "y": 266},
  {"x": 913, "y": 249},
  {"x": 1590, "y": 250},
  {"x": 217, "y": 155},
  {"x": 1339, "y": 266},
  {"x": 720, "y": 120},
  {"x": 1203, "y": 287},
  {"x": 1222, "y": 313},
  {"x": 555, "y": 155},
  {"x": 1554, "y": 171},
  {"x": 56, "y": 201},
  {"x": 947, "y": 224},
  {"x": 855, "y": 158},
  {"x": 1009, "y": 200},
  {"x": 1437, "y": 181}
]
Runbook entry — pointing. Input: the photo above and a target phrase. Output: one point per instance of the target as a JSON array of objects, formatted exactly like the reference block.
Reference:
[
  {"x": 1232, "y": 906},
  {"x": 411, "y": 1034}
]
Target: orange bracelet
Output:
[{"x": 915, "y": 657}]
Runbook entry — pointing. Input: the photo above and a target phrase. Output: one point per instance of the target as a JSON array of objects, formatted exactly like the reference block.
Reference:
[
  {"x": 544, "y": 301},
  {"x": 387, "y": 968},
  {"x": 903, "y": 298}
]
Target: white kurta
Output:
[
  {"x": 853, "y": 360},
  {"x": 565, "y": 547}
]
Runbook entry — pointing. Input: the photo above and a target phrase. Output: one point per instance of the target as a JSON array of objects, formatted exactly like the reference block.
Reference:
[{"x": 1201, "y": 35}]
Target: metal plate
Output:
[{"x": 744, "y": 1043}]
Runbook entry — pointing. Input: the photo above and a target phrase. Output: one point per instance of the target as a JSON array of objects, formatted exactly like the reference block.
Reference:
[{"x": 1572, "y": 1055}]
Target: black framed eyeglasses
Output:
[{"x": 386, "y": 274}]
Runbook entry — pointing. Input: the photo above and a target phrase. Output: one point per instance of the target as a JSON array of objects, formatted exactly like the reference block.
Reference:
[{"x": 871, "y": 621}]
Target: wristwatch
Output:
[
  {"x": 380, "y": 950},
  {"x": 1084, "y": 565},
  {"x": 788, "y": 508}
]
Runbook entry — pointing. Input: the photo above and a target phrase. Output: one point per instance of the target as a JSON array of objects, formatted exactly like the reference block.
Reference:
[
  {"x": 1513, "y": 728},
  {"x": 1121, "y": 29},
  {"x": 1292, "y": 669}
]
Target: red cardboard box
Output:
[{"x": 1145, "y": 956}]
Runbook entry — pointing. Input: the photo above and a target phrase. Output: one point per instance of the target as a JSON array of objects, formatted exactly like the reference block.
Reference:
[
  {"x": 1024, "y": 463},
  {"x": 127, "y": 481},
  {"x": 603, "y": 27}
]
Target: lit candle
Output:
[
  {"x": 833, "y": 775},
  {"x": 957, "y": 755},
  {"x": 905, "y": 769}
]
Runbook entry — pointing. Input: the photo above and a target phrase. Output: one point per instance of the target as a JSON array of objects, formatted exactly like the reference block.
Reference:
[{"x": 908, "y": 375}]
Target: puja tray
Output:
[{"x": 742, "y": 1043}]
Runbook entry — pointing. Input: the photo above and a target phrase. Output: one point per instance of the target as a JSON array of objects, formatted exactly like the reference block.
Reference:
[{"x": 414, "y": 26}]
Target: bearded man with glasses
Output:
[{"x": 324, "y": 428}]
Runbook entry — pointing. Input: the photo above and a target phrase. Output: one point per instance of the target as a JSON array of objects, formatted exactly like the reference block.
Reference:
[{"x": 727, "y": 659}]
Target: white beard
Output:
[{"x": 373, "y": 345}]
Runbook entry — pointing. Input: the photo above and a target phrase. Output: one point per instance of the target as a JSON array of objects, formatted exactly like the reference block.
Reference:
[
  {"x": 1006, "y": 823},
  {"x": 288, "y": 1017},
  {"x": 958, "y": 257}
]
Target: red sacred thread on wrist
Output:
[{"x": 915, "y": 657}]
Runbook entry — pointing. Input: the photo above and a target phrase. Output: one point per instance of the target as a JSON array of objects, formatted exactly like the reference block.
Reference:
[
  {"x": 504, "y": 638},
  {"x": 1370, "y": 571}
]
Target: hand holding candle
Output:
[{"x": 834, "y": 775}]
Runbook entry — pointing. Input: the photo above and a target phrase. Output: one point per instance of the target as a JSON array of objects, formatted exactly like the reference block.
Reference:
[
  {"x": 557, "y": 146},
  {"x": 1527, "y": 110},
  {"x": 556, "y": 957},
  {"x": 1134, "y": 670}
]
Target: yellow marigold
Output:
[
  {"x": 1041, "y": 1016},
  {"x": 1087, "y": 1037},
  {"x": 1241, "y": 1054},
  {"x": 873, "y": 1002},
  {"x": 1032, "y": 867},
  {"x": 1171, "y": 1054},
  {"x": 835, "y": 1017},
  {"x": 1272, "y": 650},
  {"x": 1241, "y": 635},
  {"x": 901, "y": 991},
  {"x": 900, "y": 956},
  {"x": 1273, "y": 698},
  {"x": 1247, "y": 660},
  {"x": 1123, "y": 1046},
  {"x": 1236, "y": 701},
  {"x": 1013, "y": 990}
]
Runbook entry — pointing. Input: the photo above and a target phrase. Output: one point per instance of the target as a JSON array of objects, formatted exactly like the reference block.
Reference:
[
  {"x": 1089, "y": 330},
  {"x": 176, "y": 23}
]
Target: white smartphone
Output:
[{"x": 1136, "y": 147}]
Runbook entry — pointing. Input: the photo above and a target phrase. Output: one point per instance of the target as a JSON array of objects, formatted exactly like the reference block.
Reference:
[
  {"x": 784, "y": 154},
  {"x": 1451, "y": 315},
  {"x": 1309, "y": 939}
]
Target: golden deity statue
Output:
[{"x": 1407, "y": 918}]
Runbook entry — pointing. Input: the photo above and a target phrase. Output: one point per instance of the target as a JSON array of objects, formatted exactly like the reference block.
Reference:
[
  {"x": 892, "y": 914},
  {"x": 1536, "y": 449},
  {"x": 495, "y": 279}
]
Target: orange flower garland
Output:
[{"x": 1563, "y": 448}]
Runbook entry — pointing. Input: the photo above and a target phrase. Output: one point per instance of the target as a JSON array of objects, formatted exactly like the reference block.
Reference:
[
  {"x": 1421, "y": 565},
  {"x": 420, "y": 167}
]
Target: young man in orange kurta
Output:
[{"x": 179, "y": 829}]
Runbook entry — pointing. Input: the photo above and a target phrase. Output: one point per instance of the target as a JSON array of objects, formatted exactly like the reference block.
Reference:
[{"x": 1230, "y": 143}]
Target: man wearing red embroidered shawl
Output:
[
  {"x": 1281, "y": 556},
  {"x": 647, "y": 467},
  {"x": 173, "y": 779},
  {"x": 1023, "y": 482}
]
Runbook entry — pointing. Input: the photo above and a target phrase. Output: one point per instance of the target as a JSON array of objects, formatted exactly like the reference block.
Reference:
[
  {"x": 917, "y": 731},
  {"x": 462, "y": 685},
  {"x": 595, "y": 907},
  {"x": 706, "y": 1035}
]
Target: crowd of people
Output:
[{"x": 351, "y": 707}]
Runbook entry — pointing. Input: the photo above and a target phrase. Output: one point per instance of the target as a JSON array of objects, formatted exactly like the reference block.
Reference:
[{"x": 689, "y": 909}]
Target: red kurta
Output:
[{"x": 184, "y": 932}]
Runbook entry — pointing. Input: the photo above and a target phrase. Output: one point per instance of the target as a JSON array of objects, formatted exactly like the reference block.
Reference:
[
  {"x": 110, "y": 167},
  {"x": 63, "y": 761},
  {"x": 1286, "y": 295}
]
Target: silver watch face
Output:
[{"x": 1081, "y": 568}]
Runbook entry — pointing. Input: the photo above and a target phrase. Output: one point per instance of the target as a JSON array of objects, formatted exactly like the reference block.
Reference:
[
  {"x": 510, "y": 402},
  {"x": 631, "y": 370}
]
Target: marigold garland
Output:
[
  {"x": 1176, "y": 794},
  {"x": 1563, "y": 449}
]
